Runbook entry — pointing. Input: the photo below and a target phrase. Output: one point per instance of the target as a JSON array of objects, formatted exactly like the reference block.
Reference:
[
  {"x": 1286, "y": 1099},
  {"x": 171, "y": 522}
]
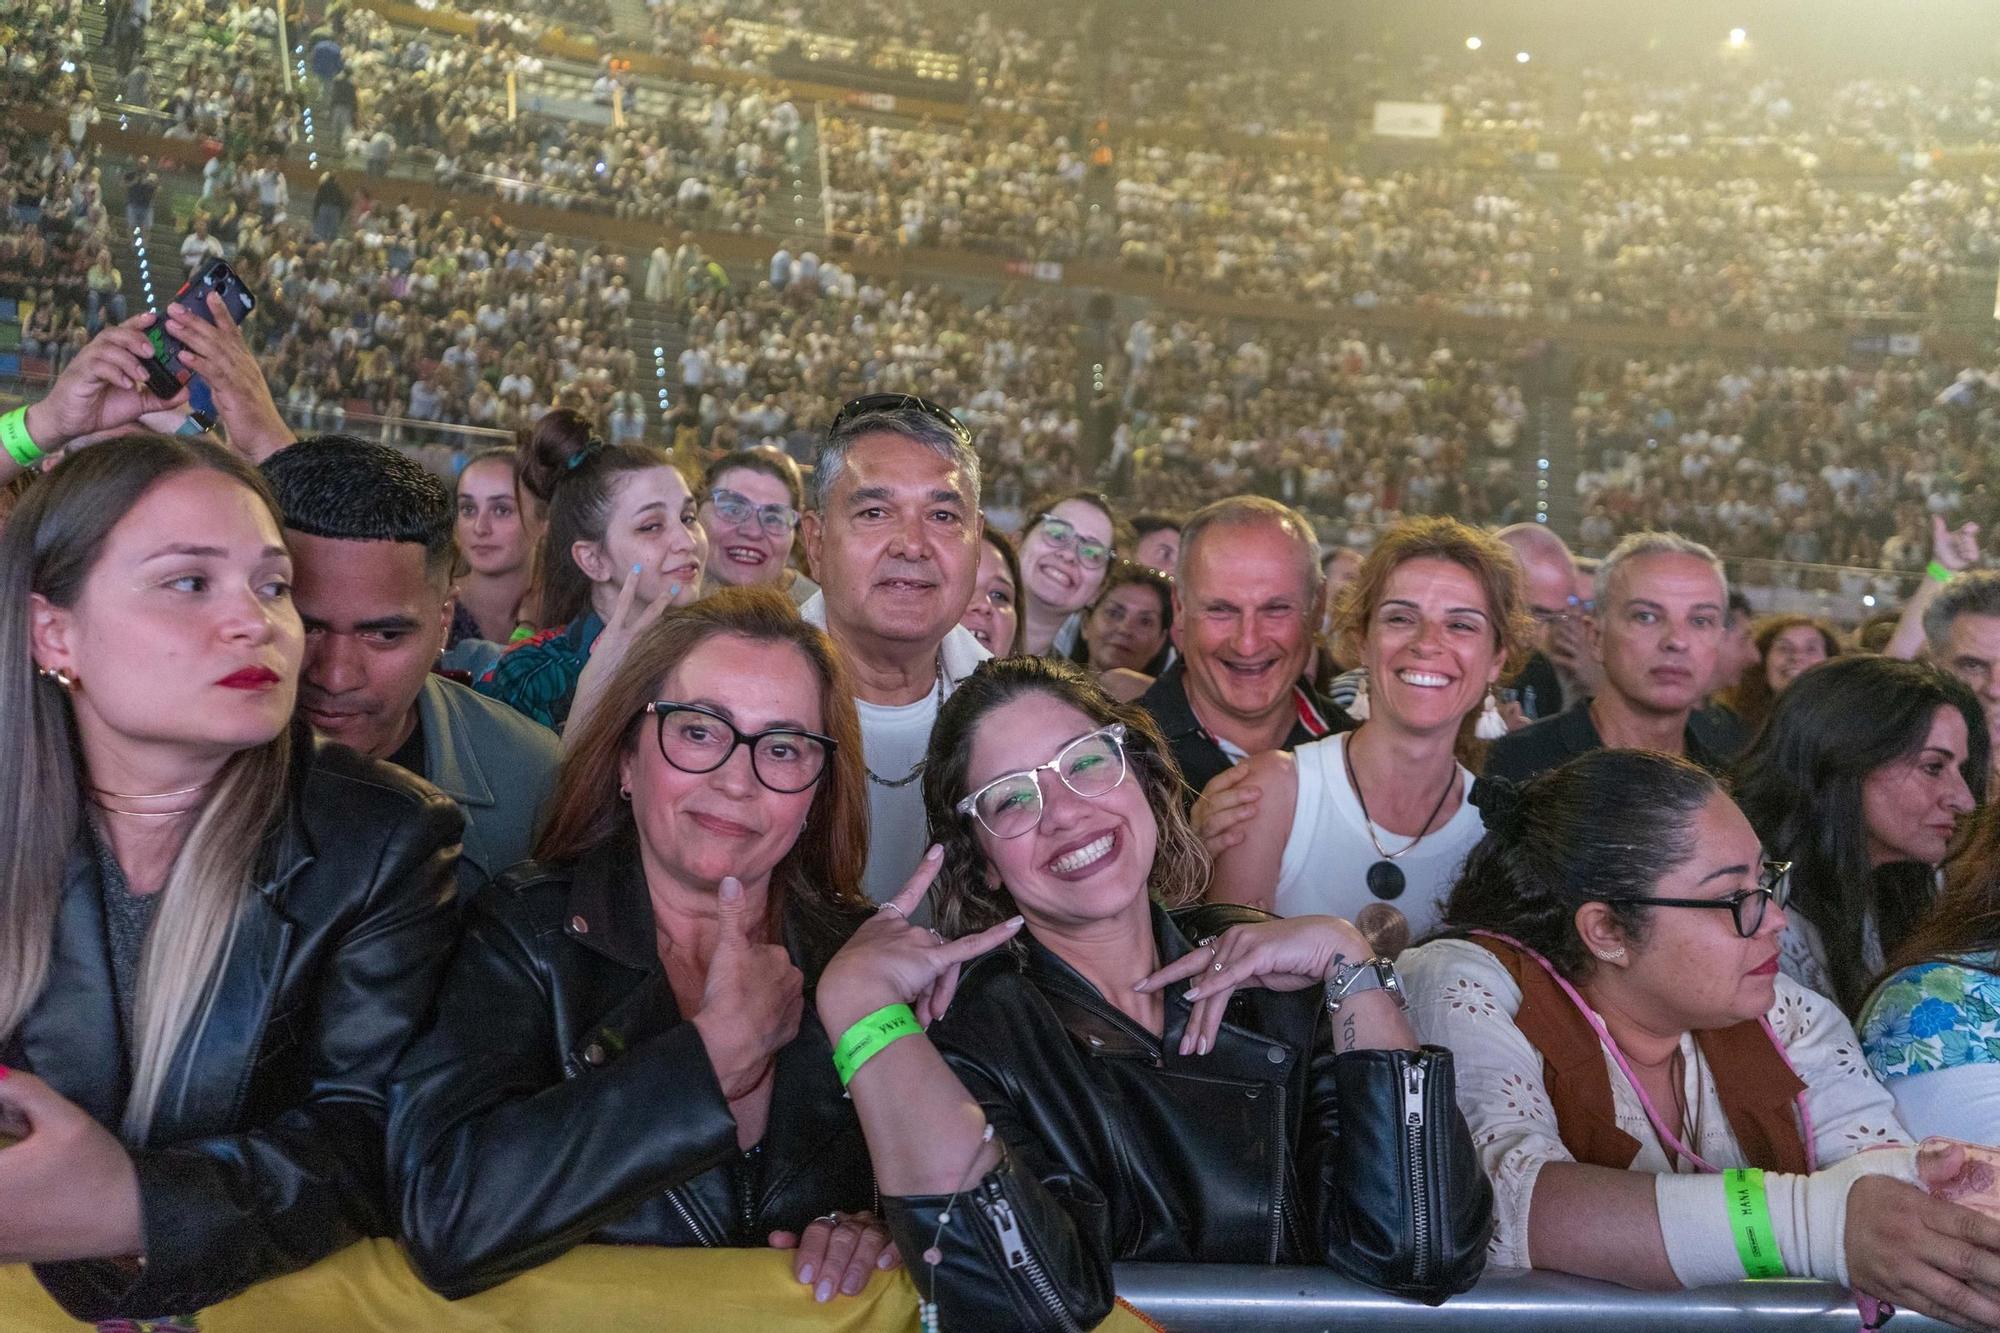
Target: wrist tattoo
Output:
[{"x": 1347, "y": 1038}]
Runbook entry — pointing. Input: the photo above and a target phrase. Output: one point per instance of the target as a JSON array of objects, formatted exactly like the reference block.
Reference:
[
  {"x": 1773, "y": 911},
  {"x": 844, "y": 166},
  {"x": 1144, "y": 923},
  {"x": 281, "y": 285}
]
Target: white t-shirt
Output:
[
  {"x": 893, "y": 740},
  {"x": 1328, "y": 852}
]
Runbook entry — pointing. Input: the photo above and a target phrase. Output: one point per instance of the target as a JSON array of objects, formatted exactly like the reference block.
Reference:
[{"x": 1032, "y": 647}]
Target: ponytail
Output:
[
  {"x": 1608, "y": 824},
  {"x": 564, "y": 464}
]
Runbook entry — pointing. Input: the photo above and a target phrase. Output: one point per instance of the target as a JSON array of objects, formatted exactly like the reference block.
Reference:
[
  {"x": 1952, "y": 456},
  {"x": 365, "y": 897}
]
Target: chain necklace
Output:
[
  {"x": 1385, "y": 878},
  {"x": 894, "y": 784}
]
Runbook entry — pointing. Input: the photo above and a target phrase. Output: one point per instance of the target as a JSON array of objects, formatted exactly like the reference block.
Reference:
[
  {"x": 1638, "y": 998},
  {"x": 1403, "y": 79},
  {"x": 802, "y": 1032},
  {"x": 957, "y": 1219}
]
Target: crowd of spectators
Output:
[
  {"x": 1777, "y": 255},
  {"x": 1806, "y": 464},
  {"x": 1353, "y": 432},
  {"x": 54, "y": 247}
]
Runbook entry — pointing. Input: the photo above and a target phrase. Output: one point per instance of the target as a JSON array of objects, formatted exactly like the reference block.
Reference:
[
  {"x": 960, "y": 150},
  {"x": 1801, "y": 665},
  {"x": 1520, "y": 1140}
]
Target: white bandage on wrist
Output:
[{"x": 1808, "y": 1216}]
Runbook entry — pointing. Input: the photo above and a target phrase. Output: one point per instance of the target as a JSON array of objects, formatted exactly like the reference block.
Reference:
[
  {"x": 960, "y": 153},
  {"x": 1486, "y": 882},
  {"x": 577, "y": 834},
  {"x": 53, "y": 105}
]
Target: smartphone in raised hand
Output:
[{"x": 165, "y": 372}]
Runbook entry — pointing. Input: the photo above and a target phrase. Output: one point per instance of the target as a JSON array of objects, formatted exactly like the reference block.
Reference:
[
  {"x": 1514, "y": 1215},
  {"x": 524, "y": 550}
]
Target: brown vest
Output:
[{"x": 1757, "y": 1087}]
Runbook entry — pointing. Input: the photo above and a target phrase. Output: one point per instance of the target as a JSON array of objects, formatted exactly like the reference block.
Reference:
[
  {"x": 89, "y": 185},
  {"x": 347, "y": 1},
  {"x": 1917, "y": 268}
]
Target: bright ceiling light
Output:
[
  {"x": 1738, "y": 37},
  {"x": 1521, "y": 56},
  {"x": 1473, "y": 43}
]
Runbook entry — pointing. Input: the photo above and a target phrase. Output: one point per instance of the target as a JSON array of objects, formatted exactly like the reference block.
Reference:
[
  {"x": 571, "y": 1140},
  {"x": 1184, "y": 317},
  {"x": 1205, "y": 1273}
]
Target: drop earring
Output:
[
  {"x": 1491, "y": 726},
  {"x": 59, "y": 675}
]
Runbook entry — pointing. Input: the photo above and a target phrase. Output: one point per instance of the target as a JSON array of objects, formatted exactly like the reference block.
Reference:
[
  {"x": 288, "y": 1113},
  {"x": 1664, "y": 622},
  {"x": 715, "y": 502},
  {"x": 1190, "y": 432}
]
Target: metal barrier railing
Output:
[{"x": 1230, "y": 1298}]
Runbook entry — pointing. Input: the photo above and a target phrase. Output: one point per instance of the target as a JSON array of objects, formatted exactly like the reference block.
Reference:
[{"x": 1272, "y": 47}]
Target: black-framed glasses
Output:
[
  {"x": 1774, "y": 885},
  {"x": 696, "y": 739},
  {"x": 1062, "y": 535},
  {"x": 1011, "y": 804},
  {"x": 740, "y": 511},
  {"x": 898, "y": 402}
]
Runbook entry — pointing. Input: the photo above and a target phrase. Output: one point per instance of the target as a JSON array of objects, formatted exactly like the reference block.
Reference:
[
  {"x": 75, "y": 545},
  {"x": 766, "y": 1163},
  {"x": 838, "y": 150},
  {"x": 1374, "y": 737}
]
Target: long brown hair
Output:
[
  {"x": 1751, "y": 697},
  {"x": 820, "y": 877},
  {"x": 1966, "y": 918},
  {"x": 962, "y": 898},
  {"x": 50, "y": 546},
  {"x": 577, "y": 476}
]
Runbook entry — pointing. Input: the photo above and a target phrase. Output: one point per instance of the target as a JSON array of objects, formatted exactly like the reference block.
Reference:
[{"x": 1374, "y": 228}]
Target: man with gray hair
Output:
[
  {"x": 1662, "y": 607},
  {"x": 1962, "y": 634},
  {"x": 893, "y": 536}
]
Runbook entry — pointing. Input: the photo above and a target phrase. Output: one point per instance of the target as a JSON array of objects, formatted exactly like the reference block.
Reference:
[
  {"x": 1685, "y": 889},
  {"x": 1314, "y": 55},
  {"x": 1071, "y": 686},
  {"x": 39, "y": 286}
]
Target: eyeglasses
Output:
[
  {"x": 1774, "y": 885},
  {"x": 695, "y": 739},
  {"x": 1062, "y": 535},
  {"x": 1011, "y": 805},
  {"x": 739, "y": 512},
  {"x": 898, "y": 402},
  {"x": 1576, "y": 609}
]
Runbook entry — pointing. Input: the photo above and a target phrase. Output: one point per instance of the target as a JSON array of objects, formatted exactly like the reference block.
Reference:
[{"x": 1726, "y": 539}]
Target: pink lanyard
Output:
[{"x": 1667, "y": 1136}]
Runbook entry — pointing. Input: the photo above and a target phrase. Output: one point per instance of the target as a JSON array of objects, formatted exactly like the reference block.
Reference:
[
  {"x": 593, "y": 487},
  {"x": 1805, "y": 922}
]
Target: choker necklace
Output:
[
  {"x": 894, "y": 784},
  {"x": 148, "y": 795},
  {"x": 1385, "y": 877},
  {"x": 146, "y": 814}
]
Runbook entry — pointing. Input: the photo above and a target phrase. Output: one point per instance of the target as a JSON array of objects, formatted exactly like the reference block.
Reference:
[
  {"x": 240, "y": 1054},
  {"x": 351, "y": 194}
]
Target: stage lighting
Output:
[
  {"x": 1473, "y": 43},
  {"x": 1738, "y": 37},
  {"x": 1521, "y": 57}
]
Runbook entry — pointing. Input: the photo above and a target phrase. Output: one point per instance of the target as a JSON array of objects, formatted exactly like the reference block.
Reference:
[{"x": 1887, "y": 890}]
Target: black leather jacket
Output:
[
  {"x": 266, "y": 1149},
  {"x": 561, "y": 1099},
  {"x": 1269, "y": 1149}
]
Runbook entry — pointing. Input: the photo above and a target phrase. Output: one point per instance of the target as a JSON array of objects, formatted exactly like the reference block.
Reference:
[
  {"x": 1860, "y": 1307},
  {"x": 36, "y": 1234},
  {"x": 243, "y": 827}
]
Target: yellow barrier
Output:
[{"x": 368, "y": 1288}]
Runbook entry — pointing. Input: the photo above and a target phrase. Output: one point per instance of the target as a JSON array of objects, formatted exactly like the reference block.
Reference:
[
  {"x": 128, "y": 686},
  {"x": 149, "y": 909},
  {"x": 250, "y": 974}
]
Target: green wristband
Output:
[
  {"x": 867, "y": 1038},
  {"x": 1939, "y": 572},
  {"x": 1750, "y": 1220},
  {"x": 15, "y": 440}
]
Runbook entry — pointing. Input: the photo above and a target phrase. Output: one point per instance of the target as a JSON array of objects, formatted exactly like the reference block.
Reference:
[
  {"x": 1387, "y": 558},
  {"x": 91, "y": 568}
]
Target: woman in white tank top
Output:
[{"x": 1373, "y": 825}]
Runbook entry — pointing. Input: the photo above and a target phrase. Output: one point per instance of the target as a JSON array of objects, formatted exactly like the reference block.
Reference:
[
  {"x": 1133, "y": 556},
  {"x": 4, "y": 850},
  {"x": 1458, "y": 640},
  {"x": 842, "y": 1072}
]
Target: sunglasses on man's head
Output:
[{"x": 898, "y": 402}]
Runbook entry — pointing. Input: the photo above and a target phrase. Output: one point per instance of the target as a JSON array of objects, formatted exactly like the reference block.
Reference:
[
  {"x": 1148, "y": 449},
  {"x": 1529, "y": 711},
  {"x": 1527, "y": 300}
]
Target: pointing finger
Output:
[{"x": 919, "y": 883}]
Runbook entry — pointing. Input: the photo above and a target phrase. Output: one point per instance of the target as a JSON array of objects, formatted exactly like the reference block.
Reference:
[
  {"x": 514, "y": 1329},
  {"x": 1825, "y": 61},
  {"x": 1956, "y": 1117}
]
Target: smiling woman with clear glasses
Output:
[
  {"x": 1074, "y": 1095},
  {"x": 750, "y": 509},
  {"x": 1066, "y": 548}
]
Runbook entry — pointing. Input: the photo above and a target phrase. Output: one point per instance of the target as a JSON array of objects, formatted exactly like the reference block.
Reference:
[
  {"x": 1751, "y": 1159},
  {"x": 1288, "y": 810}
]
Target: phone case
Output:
[{"x": 1977, "y": 1184}]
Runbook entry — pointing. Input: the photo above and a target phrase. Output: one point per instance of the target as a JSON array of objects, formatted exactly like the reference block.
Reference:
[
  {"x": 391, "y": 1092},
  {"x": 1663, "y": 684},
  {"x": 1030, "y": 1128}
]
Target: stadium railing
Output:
[{"x": 369, "y": 1288}]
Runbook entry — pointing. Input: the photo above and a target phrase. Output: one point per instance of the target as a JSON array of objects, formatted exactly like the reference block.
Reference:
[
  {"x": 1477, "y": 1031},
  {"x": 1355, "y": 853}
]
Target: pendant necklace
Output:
[{"x": 1385, "y": 877}]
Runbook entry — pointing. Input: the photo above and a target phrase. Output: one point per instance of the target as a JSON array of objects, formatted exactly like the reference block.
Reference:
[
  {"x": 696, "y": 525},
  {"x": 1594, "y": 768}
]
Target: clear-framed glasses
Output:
[
  {"x": 1062, "y": 535},
  {"x": 1011, "y": 804},
  {"x": 696, "y": 739},
  {"x": 738, "y": 511},
  {"x": 1774, "y": 885}
]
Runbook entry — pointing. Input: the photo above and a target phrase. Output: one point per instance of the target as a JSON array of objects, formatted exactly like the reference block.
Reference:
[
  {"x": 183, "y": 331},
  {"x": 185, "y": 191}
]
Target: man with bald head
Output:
[
  {"x": 1561, "y": 670},
  {"x": 1246, "y": 606}
]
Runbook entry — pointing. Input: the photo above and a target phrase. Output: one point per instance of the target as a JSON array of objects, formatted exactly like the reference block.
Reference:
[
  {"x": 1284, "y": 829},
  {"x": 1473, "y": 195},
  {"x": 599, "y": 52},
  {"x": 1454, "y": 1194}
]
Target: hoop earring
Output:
[
  {"x": 1612, "y": 955},
  {"x": 624, "y": 793},
  {"x": 59, "y": 675}
]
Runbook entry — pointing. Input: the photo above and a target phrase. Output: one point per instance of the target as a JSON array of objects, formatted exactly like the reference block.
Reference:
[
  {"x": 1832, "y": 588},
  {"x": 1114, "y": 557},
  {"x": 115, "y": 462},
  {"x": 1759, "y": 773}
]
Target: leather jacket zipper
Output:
[
  {"x": 1282, "y": 1166},
  {"x": 687, "y": 1215},
  {"x": 1015, "y": 1254},
  {"x": 1416, "y": 1170}
]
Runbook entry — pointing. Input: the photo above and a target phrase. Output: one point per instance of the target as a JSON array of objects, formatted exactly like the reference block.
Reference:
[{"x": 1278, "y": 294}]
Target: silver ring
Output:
[
  {"x": 891, "y": 907},
  {"x": 1216, "y": 966},
  {"x": 934, "y": 935},
  {"x": 830, "y": 1217}
]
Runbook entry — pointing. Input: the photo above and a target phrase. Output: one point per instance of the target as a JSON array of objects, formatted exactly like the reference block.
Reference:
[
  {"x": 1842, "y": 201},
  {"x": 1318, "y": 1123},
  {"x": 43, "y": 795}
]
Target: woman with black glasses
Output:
[
  {"x": 1134, "y": 1075},
  {"x": 1656, "y": 1103},
  {"x": 1066, "y": 548},
  {"x": 623, "y": 1050}
]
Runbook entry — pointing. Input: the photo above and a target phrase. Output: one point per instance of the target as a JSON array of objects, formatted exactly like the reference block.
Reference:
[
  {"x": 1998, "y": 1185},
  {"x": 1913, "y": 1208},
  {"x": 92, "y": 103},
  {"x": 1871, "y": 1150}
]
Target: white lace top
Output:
[{"x": 1462, "y": 998}]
